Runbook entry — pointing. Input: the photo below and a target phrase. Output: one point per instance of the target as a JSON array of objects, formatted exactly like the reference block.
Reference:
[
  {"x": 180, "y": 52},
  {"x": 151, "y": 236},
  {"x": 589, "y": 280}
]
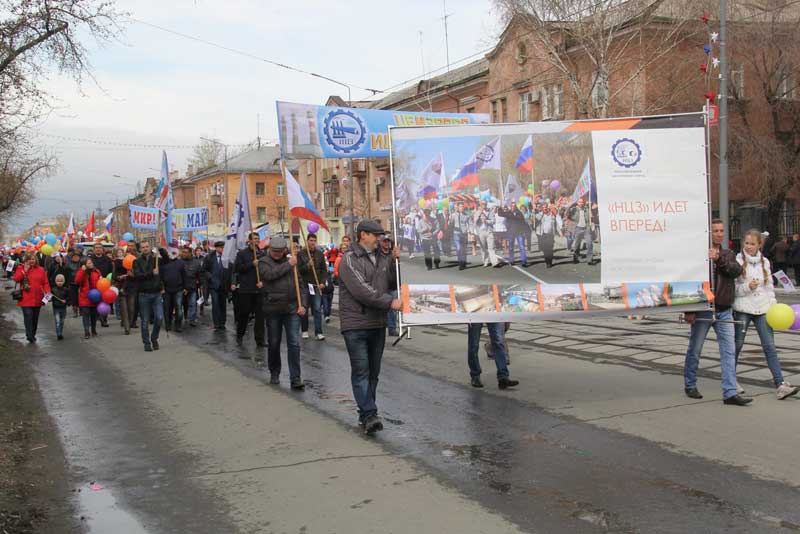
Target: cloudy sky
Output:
[{"x": 156, "y": 87}]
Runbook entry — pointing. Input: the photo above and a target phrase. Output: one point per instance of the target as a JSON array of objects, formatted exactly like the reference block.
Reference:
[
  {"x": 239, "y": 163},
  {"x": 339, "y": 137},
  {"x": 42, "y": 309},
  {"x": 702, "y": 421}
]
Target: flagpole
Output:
[
  {"x": 310, "y": 260},
  {"x": 294, "y": 269}
]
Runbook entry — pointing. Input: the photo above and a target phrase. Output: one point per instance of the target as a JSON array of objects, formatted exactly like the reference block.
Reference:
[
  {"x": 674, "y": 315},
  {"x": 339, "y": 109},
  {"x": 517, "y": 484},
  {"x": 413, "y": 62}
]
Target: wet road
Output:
[{"x": 542, "y": 471}]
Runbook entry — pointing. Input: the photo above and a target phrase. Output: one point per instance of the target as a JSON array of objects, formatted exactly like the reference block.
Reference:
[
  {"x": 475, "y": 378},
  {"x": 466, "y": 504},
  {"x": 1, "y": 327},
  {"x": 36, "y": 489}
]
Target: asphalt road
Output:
[{"x": 190, "y": 439}]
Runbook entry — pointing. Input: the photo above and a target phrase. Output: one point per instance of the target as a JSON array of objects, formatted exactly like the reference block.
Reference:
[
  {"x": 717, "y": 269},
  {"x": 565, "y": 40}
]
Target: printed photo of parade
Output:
[{"x": 509, "y": 209}]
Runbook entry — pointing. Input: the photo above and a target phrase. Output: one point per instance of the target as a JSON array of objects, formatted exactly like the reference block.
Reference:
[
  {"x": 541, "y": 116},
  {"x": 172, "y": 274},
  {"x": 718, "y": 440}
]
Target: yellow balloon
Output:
[
  {"x": 780, "y": 316},
  {"x": 421, "y": 203},
  {"x": 47, "y": 250}
]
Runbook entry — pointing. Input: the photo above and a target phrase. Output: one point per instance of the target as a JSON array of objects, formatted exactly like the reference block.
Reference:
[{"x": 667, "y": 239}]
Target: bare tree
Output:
[
  {"x": 20, "y": 170},
  {"x": 589, "y": 43},
  {"x": 206, "y": 154}
]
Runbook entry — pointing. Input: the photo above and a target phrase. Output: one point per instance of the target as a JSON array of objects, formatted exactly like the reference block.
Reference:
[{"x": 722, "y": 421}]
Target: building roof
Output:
[
  {"x": 455, "y": 77},
  {"x": 265, "y": 159}
]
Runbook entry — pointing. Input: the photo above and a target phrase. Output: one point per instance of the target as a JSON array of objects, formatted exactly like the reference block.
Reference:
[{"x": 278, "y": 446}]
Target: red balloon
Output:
[
  {"x": 109, "y": 296},
  {"x": 122, "y": 244}
]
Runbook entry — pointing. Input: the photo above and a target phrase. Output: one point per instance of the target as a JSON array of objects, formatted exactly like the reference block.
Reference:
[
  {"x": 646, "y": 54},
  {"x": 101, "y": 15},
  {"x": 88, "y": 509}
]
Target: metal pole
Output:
[
  {"x": 723, "y": 123},
  {"x": 352, "y": 187}
]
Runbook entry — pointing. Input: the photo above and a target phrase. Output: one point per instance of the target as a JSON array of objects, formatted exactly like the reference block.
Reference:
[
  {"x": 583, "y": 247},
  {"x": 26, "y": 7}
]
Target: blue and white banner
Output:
[
  {"x": 190, "y": 219},
  {"x": 143, "y": 217},
  {"x": 311, "y": 132}
]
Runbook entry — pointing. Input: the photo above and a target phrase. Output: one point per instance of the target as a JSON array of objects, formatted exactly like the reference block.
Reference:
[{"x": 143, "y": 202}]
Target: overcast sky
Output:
[{"x": 161, "y": 88}]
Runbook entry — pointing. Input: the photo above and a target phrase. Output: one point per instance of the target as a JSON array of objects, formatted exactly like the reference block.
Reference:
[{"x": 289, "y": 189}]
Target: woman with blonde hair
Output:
[{"x": 755, "y": 294}]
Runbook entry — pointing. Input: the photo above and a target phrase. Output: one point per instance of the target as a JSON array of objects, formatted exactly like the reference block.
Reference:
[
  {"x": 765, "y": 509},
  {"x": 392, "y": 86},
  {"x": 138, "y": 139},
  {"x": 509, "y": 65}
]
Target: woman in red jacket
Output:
[
  {"x": 86, "y": 278},
  {"x": 33, "y": 279}
]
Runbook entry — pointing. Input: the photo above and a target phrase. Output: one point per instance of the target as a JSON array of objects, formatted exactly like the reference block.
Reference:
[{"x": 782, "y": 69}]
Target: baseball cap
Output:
[
  {"x": 277, "y": 243},
  {"x": 370, "y": 226}
]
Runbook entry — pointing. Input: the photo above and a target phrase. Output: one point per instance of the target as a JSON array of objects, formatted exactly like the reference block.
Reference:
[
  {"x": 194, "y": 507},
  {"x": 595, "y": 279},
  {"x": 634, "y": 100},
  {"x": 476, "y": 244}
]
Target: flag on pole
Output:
[
  {"x": 240, "y": 224},
  {"x": 89, "y": 231},
  {"x": 584, "y": 184},
  {"x": 467, "y": 176},
  {"x": 300, "y": 205},
  {"x": 433, "y": 178},
  {"x": 489, "y": 155},
  {"x": 512, "y": 191},
  {"x": 525, "y": 159},
  {"x": 71, "y": 225},
  {"x": 108, "y": 222},
  {"x": 165, "y": 203}
]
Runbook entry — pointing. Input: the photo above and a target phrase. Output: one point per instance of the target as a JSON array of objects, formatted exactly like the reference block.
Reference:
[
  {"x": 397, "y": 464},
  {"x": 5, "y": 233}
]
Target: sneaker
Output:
[
  {"x": 739, "y": 389},
  {"x": 148, "y": 348},
  {"x": 372, "y": 424},
  {"x": 737, "y": 400},
  {"x": 320, "y": 337},
  {"x": 155, "y": 344},
  {"x": 304, "y": 335},
  {"x": 786, "y": 390},
  {"x": 411, "y": 257}
]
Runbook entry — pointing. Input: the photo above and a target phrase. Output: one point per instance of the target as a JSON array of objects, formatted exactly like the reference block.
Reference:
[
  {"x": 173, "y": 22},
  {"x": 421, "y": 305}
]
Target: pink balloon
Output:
[{"x": 796, "y": 325}]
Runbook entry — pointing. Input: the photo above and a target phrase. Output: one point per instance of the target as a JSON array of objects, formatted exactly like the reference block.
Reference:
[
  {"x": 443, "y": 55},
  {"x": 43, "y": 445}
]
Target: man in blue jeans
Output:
[
  {"x": 148, "y": 280},
  {"x": 312, "y": 267},
  {"x": 366, "y": 276},
  {"x": 724, "y": 270},
  {"x": 496, "y": 338}
]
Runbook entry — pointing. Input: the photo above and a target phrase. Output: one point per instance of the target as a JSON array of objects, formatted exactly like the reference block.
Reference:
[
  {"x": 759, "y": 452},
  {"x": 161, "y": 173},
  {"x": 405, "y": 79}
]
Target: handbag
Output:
[{"x": 17, "y": 293}]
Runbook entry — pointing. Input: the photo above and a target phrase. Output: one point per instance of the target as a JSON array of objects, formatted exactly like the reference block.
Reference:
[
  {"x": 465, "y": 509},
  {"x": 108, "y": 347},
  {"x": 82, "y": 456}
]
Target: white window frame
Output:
[
  {"x": 544, "y": 102},
  {"x": 524, "y": 107},
  {"x": 280, "y": 189}
]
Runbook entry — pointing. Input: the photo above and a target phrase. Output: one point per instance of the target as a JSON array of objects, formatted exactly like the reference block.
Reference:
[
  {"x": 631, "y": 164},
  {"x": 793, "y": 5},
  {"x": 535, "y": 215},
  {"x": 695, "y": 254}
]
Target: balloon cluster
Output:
[
  {"x": 784, "y": 317},
  {"x": 104, "y": 295}
]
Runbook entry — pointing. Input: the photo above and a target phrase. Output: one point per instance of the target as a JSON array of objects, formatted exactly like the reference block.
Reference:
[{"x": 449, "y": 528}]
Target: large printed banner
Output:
[
  {"x": 143, "y": 217},
  {"x": 311, "y": 132},
  {"x": 540, "y": 220},
  {"x": 190, "y": 219}
]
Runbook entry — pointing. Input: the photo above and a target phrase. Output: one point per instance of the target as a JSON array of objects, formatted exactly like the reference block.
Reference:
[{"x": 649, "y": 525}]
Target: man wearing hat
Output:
[
  {"x": 218, "y": 276},
  {"x": 250, "y": 291},
  {"x": 283, "y": 310},
  {"x": 366, "y": 278}
]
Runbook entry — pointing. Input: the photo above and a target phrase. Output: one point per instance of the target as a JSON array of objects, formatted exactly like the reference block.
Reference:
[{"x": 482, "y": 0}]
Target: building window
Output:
[
  {"x": 261, "y": 214},
  {"x": 471, "y": 110},
  {"x": 503, "y": 110},
  {"x": 260, "y": 189},
  {"x": 526, "y": 101},
  {"x": 495, "y": 114},
  {"x": 281, "y": 213},
  {"x": 787, "y": 89},
  {"x": 558, "y": 101},
  {"x": 736, "y": 80},
  {"x": 280, "y": 189}
]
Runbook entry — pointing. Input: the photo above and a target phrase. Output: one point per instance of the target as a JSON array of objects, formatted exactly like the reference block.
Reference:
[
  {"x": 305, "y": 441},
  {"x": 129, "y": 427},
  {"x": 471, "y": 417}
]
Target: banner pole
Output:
[
  {"x": 294, "y": 269},
  {"x": 310, "y": 259}
]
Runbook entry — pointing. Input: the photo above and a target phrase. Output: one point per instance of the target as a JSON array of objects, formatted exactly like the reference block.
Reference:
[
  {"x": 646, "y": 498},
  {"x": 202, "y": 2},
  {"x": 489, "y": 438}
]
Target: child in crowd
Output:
[
  {"x": 60, "y": 299},
  {"x": 754, "y": 295}
]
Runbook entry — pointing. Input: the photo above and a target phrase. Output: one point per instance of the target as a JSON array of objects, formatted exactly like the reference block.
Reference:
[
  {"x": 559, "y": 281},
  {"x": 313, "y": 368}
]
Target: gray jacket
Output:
[
  {"x": 281, "y": 293},
  {"x": 364, "y": 295}
]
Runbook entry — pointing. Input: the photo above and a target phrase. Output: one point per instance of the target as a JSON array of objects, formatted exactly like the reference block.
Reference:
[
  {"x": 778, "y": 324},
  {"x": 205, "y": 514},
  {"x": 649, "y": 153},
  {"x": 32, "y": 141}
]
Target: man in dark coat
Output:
[
  {"x": 219, "y": 280},
  {"x": 251, "y": 296}
]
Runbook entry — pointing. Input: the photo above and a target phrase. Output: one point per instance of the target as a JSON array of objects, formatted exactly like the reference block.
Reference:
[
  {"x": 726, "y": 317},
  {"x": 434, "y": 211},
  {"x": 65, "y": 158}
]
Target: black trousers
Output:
[
  {"x": 248, "y": 303},
  {"x": 31, "y": 316}
]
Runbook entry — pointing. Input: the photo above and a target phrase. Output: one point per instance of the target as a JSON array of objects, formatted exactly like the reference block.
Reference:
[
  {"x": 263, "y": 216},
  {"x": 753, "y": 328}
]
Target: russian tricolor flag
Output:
[
  {"x": 467, "y": 176},
  {"x": 299, "y": 204},
  {"x": 525, "y": 159}
]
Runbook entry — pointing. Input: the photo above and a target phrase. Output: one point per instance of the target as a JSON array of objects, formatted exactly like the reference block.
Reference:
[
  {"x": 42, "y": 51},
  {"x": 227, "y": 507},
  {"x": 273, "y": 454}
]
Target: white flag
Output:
[
  {"x": 434, "y": 179},
  {"x": 488, "y": 156},
  {"x": 240, "y": 225},
  {"x": 512, "y": 191},
  {"x": 71, "y": 227}
]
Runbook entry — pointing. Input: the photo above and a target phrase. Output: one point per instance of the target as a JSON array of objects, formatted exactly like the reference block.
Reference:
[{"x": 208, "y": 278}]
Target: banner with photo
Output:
[
  {"x": 190, "y": 219},
  {"x": 518, "y": 222},
  {"x": 144, "y": 218},
  {"x": 312, "y": 132}
]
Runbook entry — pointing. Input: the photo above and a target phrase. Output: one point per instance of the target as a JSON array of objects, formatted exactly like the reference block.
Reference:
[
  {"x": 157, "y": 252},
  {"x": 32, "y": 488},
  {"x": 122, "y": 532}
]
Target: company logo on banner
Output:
[
  {"x": 344, "y": 131},
  {"x": 190, "y": 219},
  {"x": 626, "y": 153}
]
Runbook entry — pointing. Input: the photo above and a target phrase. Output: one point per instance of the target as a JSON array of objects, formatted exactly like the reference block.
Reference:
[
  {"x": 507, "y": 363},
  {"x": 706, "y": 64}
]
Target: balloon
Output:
[
  {"x": 513, "y": 300},
  {"x": 109, "y": 296},
  {"x": 313, "y": 227},
  {"x": 555, "y": 185},
  {"x": 109, "y": 276},
  {"x": 95, "y": 296},
  {"x": 122, "y": 244},
  {"x": 115, "y": 290},
  {"x": 780, "y": 316},
  {"x": 421, "y": 203},
  {"x": 796, "y": 324},
  {"x": 103, "y": 284},
  {"x": 530, "y": 187},
  {"x": 103, "y": 309},
  {"x": 47, "y": 250},
  {"x": 51, "y": 239},
  {"x": 476, "y": 190},
  {"x": 127, "y": 262},
  {"x": 127, "y": 236},
  {"x": 545, "y": 183}
]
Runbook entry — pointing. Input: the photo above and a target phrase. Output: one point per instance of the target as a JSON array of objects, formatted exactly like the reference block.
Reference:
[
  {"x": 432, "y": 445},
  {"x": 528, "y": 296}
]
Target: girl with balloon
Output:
[
  {"x": 756, "y": 303},
  {"x": 88, "y": 296}
]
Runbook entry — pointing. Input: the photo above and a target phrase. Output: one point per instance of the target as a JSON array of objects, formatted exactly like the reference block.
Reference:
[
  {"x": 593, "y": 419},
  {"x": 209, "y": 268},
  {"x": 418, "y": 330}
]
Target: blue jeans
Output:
[
  {"x": 277, "y": 323},
  {"x": 496, "y": 337},
  {"x": 150, "y": 306},
  {"x": 59, "y": 314},
  {"x": 191, "y": 297},
  {"x": 391, "y": 316},
  {"x": 315, "y": 303},
  {"x": 727, "y": 350},
  {"x": 327, "y": 302},
  {"x": 519, "y": 239},
  {"x": 767, "y": 337},
  {"x": 219, "y": 303},
  {"x": 584, "y": 235},
  {"x": 460, "y": 240},
  {"x": 365, "y": 348}
]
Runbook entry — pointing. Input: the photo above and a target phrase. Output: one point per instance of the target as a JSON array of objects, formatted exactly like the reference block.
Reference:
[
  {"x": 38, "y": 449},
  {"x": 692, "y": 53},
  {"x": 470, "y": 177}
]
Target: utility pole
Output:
[
  {"x": 446, "y": 37},
  {"x": 724, "y": 205}
]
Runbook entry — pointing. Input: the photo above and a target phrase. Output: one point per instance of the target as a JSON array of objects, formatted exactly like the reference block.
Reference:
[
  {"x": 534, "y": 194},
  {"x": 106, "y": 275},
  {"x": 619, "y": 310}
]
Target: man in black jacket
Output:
[
  {"x": 146, "y": 274},
  {"x": 219, "y": 280},
  {"x": 283, "y": 310},
  {"x": 251, "y": 295},
  {"x": 173, "y": 275},
  {"x": 311, "y": 266}
]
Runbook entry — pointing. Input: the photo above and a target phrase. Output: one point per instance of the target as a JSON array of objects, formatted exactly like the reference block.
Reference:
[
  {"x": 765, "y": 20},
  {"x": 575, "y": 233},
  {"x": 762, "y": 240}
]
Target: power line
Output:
[{"x": 137, "y": 146}]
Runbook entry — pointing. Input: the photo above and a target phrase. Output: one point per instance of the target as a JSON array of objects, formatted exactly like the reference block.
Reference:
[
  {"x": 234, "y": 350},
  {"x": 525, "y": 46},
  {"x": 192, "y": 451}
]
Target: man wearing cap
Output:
[
  {"x": 366, "y": 278},
  {"x": 250, "y": 291},
  {"x": 283, "y": 310},
  {"x": 218, "y": 276}
]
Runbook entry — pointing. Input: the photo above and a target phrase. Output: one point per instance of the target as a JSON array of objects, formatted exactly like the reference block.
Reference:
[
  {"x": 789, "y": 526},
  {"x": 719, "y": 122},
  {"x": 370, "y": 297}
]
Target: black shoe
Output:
[
  {"x": 476, "y": 382},
  {"x": 505, "y": 383},
  {"x": 692, "y": 393},
  {"x": 372, "y": 424},
  {"x": 148, "y": 348},
  {"x": 104, "y": 325},
  {"x": 738, "y": 400},
  {"x": 60, "y": 338},
  {"x": 394, "y": 332},
  {"x": 461, "y": 266},
  {"x": 274, "y": 379},
  {"x": 155, "y": 344},
  {"x": 524, "y": 264},
  {"x": 298, "y": 386}
]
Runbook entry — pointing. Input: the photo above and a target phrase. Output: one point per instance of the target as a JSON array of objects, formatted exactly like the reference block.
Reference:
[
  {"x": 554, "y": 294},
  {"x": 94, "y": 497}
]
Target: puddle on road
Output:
[{"x": 102, "y": 514}]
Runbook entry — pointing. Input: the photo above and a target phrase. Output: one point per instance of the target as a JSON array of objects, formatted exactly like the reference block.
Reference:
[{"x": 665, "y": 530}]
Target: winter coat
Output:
[
  {"x": 61, "y": 293},
  {"x": 304, "y": 266},
  {"x": 364, "y": 289},
  {"x": 219, "y": 278},
  {"x": 281, "y": 294},
  {"x": 193, "y": 268},
  {"x": 754, "y": 301},
  {"x": 56, "y": 269},
  {"x": 246, "y": 271},
  {"x": 86, "y": 280},
  {"x": 38, "y": 286},
  {"x": 173, "y": 275},
  {"x": 146, "y": 280}
]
